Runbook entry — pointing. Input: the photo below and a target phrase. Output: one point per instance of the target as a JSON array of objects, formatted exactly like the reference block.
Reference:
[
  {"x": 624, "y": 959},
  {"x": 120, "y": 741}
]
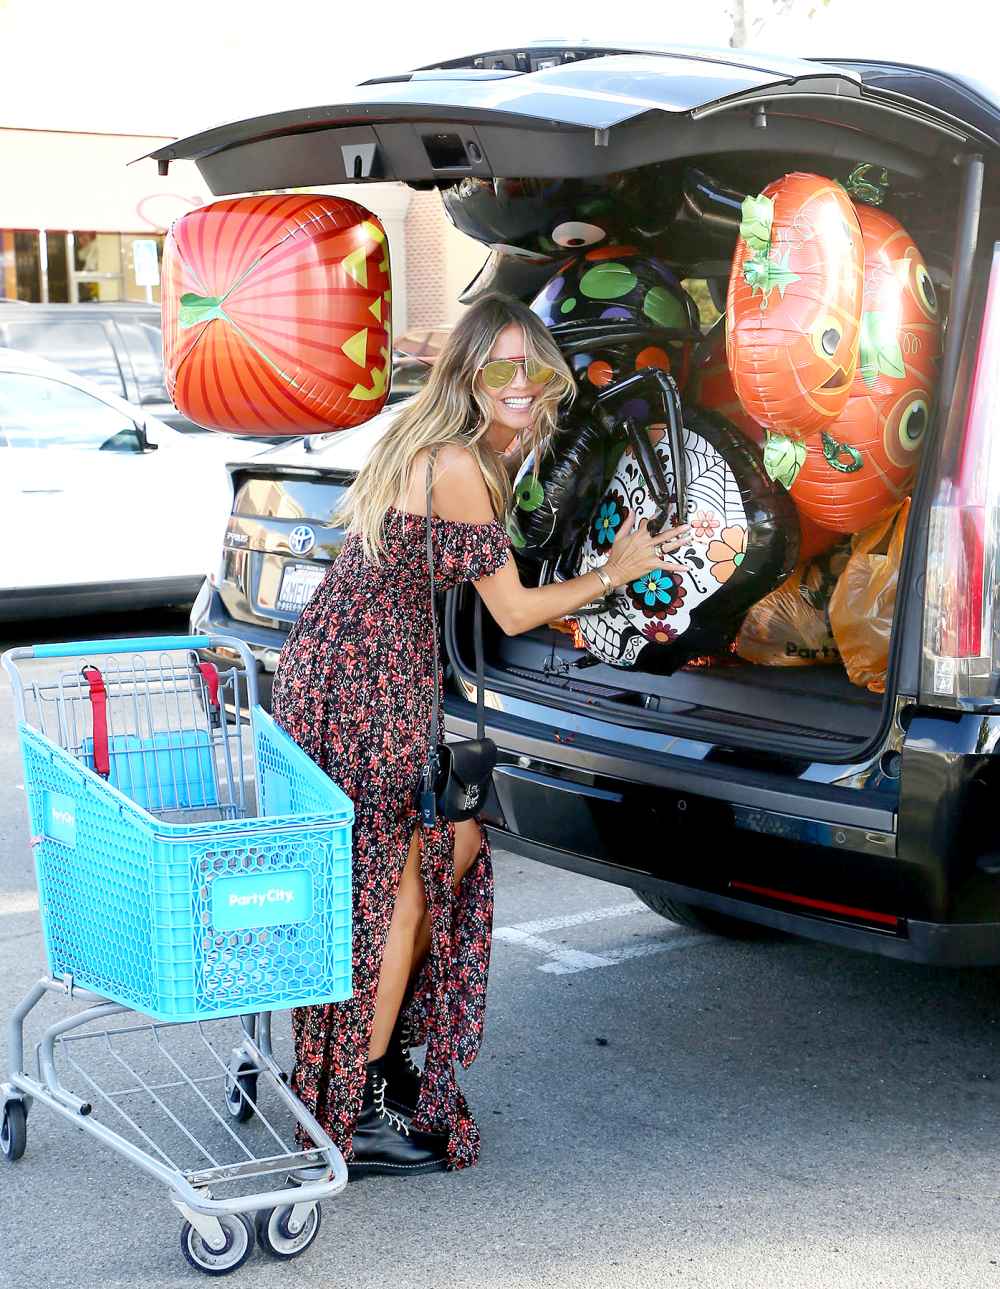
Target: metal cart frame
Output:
[{"x": 217, "y": 1235}]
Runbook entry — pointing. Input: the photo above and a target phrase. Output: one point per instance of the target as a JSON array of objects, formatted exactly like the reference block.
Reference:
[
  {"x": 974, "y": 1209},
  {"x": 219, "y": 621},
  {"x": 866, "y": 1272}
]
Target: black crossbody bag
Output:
[{"x": 456, "y": 776}]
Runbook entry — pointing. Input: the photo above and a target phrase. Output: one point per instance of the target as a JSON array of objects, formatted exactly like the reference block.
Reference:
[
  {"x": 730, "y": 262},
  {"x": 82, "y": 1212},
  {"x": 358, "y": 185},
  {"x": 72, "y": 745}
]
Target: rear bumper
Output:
[
  {"x": 209, "y": 618},
  {"x": 821, "y": 861},
  {"x": 973, "y": 944}
]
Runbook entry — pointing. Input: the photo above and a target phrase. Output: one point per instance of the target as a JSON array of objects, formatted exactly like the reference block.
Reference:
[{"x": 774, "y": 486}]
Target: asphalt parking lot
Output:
[{"x": 658, "y": 1107}]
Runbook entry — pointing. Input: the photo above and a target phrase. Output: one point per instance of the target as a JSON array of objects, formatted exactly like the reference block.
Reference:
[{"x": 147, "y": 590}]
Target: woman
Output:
[{"x": 353, "y": 687}]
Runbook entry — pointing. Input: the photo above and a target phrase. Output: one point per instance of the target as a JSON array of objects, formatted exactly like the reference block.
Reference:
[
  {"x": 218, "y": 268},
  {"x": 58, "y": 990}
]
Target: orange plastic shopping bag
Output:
[
  {"x": 790, "y": 627},
  {"x": 864, "y": 601}
]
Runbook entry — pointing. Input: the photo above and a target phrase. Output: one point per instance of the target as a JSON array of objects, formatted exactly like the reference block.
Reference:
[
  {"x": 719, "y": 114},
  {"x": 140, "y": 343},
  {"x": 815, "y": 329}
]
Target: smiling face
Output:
[
  {"x": 514, "y": 406},
  {"x": 865, "y": 463},
  {"x": 794, "y": 308}
]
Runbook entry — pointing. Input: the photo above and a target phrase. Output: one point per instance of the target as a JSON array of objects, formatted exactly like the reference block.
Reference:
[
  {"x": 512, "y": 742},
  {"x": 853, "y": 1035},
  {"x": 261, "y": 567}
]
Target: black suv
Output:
[{"x": 733, "y": 797}]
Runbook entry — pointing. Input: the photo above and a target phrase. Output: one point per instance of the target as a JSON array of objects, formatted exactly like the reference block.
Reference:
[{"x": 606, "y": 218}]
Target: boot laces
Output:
[
  {"x": 383, "y": 1111},
  {"x": 411, "y": 1066},
  {"x": 405, "y": 1042}
]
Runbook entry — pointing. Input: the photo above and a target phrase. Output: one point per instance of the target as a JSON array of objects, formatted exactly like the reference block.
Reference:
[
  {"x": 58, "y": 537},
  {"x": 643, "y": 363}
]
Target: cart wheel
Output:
[
  {"x": 14, "y": 1130},
  {"x": 241, "y": 1092},
  {"x": 238, "y": 1230},
  {"x": 274, "y": 1236}
]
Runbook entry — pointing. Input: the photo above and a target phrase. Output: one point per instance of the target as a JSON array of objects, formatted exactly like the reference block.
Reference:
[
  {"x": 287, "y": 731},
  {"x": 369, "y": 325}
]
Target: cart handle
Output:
[{"x": 137, "y": 644}]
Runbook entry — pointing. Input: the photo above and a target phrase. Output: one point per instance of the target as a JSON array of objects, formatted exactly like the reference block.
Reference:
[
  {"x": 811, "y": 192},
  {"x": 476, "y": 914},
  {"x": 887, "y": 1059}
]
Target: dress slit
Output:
[{"x": 354, "y": 688}]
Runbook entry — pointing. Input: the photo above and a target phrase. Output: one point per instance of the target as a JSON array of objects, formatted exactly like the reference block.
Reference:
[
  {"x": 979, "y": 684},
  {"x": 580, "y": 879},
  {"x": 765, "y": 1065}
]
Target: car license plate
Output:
[{"x": 298, "y": 582}]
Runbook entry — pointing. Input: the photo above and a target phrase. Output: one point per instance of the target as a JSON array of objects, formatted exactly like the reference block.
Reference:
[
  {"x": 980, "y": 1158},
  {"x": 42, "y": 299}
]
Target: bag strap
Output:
[{"x": 477, "y": 631}]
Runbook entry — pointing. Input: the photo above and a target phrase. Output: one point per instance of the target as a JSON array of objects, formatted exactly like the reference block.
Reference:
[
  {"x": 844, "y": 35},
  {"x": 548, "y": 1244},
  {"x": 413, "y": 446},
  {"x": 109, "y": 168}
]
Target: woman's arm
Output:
[
  {"x": 517, "y": 608},
  {"x": 460, "y": 493}
]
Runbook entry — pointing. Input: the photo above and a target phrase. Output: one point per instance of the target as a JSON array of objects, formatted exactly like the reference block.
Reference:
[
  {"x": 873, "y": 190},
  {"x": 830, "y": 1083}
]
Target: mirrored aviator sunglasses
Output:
[{"x": 499, "y": 372}]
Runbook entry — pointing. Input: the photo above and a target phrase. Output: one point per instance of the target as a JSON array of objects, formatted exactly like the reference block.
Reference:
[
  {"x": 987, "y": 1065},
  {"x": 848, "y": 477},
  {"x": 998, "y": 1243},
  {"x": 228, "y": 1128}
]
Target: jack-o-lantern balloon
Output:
[
  {"x": 793, "y": 310},
  {"x": 276, "y": 314},
  {"x": 711, "y": 386},
  {"x": 860, "y": 468}
]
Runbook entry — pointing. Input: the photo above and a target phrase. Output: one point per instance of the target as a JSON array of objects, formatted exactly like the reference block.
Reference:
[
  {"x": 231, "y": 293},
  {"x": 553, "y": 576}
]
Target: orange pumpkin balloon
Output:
[
  {"x": 864, "y": 465},
  {"x": 276, "y": 314},
  {"x": 711, "y": 386},
  {"x": 793, "y": 310}
]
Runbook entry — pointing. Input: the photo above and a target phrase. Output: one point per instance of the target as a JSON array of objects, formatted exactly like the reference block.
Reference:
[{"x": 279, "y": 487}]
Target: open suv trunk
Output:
[{"x": 779, "y": 793}]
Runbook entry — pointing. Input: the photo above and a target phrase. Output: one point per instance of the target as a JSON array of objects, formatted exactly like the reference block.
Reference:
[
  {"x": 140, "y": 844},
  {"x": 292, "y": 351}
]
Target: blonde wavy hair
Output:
[{"x": 452, "y": 408}]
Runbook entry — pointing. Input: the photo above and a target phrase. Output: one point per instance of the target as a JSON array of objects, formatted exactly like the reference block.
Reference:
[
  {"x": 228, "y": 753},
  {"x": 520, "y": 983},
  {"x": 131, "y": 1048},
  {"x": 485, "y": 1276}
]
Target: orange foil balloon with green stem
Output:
[
  {"x": 793, "y": 311},
  {"x": 860, "y": 468},
  {"x": 276, "y": 314},
  {"x": 711, "y": 386}
]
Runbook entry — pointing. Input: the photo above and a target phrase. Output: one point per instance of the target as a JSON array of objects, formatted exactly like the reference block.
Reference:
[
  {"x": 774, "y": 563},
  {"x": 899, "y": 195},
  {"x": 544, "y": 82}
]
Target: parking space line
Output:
[
  {"x": 561, "y": 961},
  {"x": 564, "y": 920},
  {"x": 558, "y": 958},
  {"x": 18, "y": 902}
]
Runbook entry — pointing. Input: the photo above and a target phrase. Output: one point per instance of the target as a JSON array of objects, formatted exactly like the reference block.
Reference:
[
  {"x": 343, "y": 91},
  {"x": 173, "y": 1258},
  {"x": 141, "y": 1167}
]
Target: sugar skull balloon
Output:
[
  {"x": 862, "y": 466},
  {"x": 744, "y": 541},
  {"x": 276, "y": 314},
  {"x": 793, "y": 311}
]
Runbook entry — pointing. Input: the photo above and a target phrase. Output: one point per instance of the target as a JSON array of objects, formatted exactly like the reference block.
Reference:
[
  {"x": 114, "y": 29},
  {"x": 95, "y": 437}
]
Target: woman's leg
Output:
[
  {"x": 409, "y": 936},
  {"x": 408, "y": 915},
  {"x": 468, "y": 842}
]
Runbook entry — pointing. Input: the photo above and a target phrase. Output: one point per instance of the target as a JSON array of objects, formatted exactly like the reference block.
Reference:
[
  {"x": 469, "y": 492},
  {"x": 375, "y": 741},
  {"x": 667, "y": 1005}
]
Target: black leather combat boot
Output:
[
  {"x": 401, "y": 1071},
  {"x": 383, "y": 1140}
]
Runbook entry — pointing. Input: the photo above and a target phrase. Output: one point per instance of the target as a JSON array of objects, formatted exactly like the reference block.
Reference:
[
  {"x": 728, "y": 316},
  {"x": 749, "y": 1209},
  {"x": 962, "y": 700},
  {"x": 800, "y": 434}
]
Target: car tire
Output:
[{"x": 709, "y": 920}]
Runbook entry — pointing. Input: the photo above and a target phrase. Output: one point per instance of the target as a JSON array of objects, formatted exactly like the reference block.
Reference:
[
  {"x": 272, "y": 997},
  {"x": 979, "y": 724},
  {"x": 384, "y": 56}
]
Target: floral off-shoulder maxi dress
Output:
[{"x": 353, "y": 688}]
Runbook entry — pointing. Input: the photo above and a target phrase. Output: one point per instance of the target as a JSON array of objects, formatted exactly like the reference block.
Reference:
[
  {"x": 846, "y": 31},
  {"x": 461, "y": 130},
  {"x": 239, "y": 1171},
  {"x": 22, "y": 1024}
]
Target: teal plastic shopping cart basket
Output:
[{"x": 192, "y": 861}]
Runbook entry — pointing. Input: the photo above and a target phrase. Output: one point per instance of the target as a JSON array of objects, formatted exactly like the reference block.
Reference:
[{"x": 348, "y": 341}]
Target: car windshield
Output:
[{"x": 41, "y": 412}]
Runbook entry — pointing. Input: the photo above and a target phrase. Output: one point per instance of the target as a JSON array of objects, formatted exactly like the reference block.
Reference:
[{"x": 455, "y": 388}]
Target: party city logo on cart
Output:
[
  {"x": 261, "y": 899},
  {"x": 59, "y": 818}
]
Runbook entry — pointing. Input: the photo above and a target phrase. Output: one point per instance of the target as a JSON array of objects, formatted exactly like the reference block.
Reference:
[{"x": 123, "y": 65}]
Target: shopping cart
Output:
[{"x": 194, "y": 875}]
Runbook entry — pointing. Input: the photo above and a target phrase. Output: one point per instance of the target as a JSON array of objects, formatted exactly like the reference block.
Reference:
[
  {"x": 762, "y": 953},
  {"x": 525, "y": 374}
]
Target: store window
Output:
[
  {"x": 133, "y": 291},
  {"x": 20, "y": 265},
  {"x": 58, "y": 268},
  {"x": 97, "y": 266},
  {"x": 73, "y": 267}
]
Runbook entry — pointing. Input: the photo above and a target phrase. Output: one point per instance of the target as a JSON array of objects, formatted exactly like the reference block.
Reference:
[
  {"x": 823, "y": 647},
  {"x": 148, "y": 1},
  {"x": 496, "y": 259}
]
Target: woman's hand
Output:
[{"x": 636, "y": 551}]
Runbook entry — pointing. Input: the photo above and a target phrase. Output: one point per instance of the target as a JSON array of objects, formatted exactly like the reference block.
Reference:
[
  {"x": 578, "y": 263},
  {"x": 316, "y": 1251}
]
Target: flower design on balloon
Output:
[
  {"x": 728, "y": 553},
  {"x": 609, "y": 519},
  {"x": 657, "y": 593},
  {"x": 660, "y": 632},
  {"x": 704, "y": 523}
]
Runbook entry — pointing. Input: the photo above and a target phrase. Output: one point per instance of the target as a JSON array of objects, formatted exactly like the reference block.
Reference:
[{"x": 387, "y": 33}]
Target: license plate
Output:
[{"x": 298, "y": 582}]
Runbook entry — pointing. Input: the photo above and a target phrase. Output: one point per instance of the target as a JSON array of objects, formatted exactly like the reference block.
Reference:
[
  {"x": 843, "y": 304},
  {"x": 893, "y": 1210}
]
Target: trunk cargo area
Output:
[
  {"x": 804, "y": 710},
  {"x": 745, "y": 699}
]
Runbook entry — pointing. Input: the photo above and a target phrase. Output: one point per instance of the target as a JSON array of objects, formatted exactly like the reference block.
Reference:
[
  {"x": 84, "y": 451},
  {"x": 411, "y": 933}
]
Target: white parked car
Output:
[{"x": 101, "y": 506}]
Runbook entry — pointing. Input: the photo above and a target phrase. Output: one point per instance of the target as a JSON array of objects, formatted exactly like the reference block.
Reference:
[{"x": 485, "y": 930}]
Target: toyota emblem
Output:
[{"x": 301, "y": 540}]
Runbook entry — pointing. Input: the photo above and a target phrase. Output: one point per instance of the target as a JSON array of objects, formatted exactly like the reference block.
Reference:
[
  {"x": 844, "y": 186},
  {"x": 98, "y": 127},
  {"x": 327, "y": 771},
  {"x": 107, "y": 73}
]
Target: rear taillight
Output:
[{"x": 961, "y": 609}]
